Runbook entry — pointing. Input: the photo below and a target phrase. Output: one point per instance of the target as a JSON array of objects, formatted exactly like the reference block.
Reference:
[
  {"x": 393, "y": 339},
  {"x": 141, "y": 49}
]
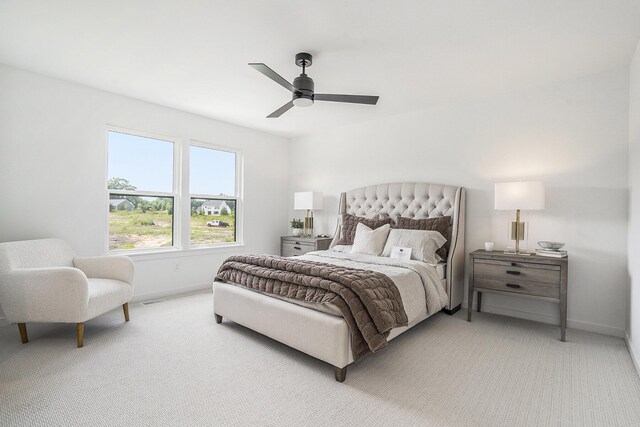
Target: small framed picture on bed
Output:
[{"x": 401, "y": 253}]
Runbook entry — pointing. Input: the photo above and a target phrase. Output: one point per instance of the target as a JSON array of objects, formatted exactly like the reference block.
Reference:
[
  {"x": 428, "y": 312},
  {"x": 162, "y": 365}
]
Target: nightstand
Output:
[
  {"x": 292, "y": 246},
  {"x": 527, "y": 276}
]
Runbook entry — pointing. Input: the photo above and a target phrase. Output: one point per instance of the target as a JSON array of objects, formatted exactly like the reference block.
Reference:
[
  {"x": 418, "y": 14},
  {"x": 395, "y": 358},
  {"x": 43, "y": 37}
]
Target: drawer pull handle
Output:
[
  {"x": 515, "y": 273},
  {"x": 511, "y": 285},
  {"x": 297, "y": 243},
  {"x": 297, "y": 247}
]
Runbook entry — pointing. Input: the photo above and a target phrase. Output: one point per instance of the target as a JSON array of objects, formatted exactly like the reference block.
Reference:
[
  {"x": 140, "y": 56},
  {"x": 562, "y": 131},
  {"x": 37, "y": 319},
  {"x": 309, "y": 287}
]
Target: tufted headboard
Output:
[{"x": 416, "y": 200}]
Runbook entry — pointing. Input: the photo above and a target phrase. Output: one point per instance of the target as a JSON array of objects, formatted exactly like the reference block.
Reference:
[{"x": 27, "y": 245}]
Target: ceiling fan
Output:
[{"x": 302, "y": 88}]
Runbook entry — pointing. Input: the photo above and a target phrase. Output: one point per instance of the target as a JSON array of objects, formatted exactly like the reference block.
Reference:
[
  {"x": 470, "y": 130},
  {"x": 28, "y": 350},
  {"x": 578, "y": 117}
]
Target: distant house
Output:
[
  {"x": 213, "y": 207},
  {"x": 121, "y": 205}
]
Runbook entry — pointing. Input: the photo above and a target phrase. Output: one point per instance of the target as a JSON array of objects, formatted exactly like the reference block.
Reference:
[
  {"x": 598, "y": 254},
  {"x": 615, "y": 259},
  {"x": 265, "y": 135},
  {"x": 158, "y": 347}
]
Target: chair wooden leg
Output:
[
  {"x": 125, "y": 308},
  {"x": 218, "y": 318},
  {"x": 340, "y": 373},
  {"x": 23, "y": 332},
  {"x": 80, "y": 333}
]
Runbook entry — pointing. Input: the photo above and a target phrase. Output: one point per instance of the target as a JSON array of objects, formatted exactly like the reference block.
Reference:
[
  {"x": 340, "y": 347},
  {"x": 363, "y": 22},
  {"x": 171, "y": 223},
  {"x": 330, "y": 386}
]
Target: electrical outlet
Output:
[{"x": 176, "y": 267}]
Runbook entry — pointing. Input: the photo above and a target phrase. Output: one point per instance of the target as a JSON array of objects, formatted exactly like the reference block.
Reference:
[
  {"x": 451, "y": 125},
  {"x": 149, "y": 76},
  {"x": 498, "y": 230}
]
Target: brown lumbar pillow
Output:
[
  {"x": 441, "y": 224},
  {"x": 350, "y": 222}
]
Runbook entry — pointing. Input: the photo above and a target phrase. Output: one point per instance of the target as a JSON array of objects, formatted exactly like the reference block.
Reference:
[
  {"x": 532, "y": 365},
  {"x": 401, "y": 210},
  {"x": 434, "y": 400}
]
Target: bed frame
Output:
[{"x": 322, "y": 335}]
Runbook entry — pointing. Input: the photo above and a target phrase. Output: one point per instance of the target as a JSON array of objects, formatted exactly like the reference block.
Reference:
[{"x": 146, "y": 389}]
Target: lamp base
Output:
[{"x": 308, "y": 224}]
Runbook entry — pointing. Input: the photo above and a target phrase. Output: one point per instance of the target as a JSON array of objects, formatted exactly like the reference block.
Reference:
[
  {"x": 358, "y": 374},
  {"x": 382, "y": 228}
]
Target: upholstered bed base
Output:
[
  {"x": 318, "y": 334},
  {"x": 321, "y": 335}
]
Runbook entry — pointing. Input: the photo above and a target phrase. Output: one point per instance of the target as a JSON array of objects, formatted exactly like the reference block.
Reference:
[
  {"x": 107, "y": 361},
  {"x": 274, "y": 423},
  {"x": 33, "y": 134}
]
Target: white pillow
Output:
[
  {"x": 368, "y": 241},
  {"x": 423, "y": 243}
]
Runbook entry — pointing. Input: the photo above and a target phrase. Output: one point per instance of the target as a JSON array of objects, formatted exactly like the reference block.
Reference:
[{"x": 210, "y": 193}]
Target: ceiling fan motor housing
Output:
[{"x": 303, "y": 96}]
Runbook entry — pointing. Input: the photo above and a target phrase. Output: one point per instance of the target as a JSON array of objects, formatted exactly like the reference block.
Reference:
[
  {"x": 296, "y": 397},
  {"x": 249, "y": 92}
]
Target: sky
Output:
[{"x": 147, "y": 163}]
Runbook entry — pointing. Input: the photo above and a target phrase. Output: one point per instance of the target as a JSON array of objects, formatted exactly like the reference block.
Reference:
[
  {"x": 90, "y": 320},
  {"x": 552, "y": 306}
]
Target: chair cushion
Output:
[{"x": 105, "y": 295}]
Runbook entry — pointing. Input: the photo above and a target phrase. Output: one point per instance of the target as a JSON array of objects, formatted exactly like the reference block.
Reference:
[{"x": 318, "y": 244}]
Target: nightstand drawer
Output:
[
  {"x": 517, "y": 272},
  {"x": 518, "y": 287},
  {"x": 292, "y": 247}
]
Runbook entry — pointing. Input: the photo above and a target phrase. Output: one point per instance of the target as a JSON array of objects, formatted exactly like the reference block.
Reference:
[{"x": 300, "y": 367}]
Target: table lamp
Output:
[
  {"x": 521, "y": 195},
  {"x": 309, "y": 201}
]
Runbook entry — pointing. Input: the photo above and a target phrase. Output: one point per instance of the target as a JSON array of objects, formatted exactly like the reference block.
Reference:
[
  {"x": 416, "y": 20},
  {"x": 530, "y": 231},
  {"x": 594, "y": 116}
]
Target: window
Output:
[
  {"x": 212, "y": 182},
  {"x": 141, "y": 192},
  {"x": 153, "y": 182}
]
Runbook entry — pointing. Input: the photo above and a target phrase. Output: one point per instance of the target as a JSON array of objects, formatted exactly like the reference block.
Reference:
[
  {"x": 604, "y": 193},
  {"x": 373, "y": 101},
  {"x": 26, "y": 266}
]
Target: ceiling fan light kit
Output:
[{"x": 302, "y": 89}]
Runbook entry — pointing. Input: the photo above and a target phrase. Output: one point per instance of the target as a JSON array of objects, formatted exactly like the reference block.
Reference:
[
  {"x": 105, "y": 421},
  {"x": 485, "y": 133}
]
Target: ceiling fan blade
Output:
[
  {"x": 273, "y": 75},
  {"x": 355, "y": 99},
  {"x": 280, "y": 111}
]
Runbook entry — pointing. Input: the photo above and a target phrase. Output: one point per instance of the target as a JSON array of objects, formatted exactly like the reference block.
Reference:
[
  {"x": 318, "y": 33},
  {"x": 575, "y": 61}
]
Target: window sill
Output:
[{"x": 175, "y": 253}]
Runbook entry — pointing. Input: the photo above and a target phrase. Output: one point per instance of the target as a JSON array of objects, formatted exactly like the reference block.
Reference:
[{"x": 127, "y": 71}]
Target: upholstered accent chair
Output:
[{"x": 43, "y": 281}]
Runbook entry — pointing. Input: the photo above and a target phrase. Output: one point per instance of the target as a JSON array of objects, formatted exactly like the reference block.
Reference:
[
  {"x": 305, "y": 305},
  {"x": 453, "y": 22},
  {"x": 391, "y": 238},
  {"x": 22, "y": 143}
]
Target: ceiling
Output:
[{"x": 192, "y": 55}]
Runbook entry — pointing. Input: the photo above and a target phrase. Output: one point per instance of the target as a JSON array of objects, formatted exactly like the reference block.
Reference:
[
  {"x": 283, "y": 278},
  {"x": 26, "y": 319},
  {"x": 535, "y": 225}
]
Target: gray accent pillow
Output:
[{"x": 350, "y": 222}]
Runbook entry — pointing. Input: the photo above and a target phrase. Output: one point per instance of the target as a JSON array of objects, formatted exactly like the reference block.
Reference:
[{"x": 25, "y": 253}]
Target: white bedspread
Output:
[{"x": 418, "y": 283}]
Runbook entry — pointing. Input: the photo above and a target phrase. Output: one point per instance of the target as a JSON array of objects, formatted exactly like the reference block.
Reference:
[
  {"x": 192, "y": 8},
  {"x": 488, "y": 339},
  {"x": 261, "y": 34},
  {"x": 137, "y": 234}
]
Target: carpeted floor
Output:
[{"x": 172, "y": 365}]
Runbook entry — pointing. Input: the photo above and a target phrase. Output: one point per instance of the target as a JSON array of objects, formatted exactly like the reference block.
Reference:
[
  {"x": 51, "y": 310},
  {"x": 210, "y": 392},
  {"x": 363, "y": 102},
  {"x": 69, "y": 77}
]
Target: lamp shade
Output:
[
  {"x": 524, "y": 195},
  {"x": 307, "y": 200}
]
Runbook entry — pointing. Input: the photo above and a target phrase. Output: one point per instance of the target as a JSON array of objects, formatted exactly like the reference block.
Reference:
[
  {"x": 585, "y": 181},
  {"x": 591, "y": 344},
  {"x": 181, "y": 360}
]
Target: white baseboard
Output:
[
  {"x": 553, "y": 320},
  {"x": 169, "y": 292},
  {"x": 632, "y": 353}
]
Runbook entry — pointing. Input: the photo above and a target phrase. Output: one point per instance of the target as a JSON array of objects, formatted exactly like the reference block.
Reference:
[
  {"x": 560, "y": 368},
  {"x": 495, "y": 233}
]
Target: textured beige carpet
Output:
[{"x": 172, "y": 365}]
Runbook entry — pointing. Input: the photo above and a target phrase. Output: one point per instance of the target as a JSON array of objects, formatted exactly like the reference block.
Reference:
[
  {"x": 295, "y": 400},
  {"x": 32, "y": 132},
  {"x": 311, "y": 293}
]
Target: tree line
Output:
[{"x": 158, "y": 204}]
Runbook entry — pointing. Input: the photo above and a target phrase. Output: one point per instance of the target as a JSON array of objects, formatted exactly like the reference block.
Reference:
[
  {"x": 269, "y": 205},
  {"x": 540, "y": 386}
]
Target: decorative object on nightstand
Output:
[
  {"x": 296, "y": 227},
  {"x": 521, "y": 195},
  {"x": 292, "y": 245},
  {"x": 551, "y": 249},
  {"x": 533, "y": 277},
  {"x": 309, "y": 201}
]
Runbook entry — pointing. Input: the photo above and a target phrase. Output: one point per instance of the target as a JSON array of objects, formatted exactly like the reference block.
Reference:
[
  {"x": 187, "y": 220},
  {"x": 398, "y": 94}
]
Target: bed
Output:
[{"x": 319, "y": 330}]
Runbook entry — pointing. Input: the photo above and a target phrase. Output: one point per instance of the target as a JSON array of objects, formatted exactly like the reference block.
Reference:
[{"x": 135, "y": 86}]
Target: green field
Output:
[
  {"x": 203, "y": 235},
  {"x": 152, "y": 229}
]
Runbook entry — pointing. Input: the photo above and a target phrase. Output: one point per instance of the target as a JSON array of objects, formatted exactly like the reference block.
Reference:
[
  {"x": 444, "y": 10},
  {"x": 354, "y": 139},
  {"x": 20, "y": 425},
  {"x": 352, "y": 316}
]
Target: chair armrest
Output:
[
  {"x": 106, "y": 267},
  {"x": 56, "y": 294}
]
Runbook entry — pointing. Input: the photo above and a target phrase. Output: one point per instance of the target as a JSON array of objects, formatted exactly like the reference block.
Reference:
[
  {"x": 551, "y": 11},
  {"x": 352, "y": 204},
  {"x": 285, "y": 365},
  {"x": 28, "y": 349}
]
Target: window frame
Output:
[
  {"x": 181, "y": 225},
  {"x": 237, "y": 198}
]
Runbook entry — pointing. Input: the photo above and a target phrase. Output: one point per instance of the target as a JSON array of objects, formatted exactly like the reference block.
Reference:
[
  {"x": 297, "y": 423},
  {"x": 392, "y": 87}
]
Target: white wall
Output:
[
  {"x": 573, "y": 135},
  {"x": 633, "y": 333},
  {"x": 52, "y": 172}
]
